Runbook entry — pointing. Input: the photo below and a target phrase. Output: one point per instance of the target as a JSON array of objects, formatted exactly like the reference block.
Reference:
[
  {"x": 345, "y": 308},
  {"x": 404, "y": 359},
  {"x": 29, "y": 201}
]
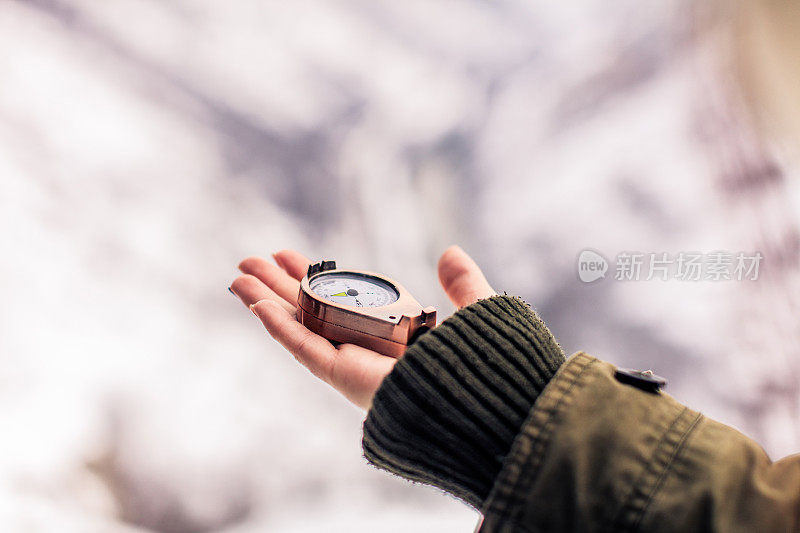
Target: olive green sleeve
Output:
[
  {"x": 485, "y": 407},
  {"x": 448, "y": 412},
  {"x": 597, "y": 454}
]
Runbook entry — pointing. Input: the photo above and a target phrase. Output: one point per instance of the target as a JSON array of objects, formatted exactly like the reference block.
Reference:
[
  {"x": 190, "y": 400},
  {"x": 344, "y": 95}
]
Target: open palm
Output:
[{"x": 270, "y": 290}]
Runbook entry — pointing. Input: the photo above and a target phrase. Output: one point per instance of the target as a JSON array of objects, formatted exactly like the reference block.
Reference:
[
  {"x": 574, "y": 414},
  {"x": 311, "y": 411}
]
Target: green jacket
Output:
[{"x": 594, "y": 450}]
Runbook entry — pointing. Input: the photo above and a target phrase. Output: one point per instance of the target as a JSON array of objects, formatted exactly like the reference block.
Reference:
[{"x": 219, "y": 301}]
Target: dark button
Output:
[{"x": 643, "y": 379}]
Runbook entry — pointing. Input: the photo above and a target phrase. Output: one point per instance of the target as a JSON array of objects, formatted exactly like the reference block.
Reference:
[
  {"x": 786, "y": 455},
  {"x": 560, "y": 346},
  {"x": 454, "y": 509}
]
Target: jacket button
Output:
[{"x": 643, "y": 379}]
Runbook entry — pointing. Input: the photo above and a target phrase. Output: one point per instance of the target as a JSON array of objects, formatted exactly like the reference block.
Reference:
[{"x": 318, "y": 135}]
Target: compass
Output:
[{"x": 363, "y": 308}]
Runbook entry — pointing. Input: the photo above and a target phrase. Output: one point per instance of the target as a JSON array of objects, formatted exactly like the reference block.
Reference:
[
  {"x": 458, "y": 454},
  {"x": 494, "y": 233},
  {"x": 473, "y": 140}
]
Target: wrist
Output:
[{"x": 448, "y": 412}]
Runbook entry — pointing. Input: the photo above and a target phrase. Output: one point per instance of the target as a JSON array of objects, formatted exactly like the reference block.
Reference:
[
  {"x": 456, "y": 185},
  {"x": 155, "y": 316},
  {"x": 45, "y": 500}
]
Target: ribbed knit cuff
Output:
[{"x": 448, "y": 412}]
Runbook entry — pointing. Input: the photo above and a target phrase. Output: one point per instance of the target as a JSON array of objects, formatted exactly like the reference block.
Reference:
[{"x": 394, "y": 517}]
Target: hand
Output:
[{"x": 271, "y": 293}]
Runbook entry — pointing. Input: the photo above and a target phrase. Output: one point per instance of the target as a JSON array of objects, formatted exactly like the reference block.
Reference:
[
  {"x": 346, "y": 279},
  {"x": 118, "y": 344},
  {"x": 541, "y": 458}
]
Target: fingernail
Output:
[{"x": 252, "y": 309}]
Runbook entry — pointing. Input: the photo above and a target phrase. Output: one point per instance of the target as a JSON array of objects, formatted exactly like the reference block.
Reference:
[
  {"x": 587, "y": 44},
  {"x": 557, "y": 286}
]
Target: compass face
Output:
[{"x": 355, "y": 290}]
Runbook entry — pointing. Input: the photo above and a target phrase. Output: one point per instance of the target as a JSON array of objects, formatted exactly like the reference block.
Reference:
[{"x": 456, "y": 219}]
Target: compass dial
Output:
[{"x": 355, "y": 290}]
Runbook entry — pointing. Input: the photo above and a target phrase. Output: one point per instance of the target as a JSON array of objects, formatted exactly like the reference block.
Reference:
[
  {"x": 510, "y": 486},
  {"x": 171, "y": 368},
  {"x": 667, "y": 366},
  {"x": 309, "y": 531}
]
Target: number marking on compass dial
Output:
[{"x": 354, "y": 290}]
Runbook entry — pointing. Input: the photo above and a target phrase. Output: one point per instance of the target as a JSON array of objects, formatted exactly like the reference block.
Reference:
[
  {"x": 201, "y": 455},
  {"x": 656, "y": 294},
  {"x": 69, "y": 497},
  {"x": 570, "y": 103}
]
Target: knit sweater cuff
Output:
[{"x": 448, "y": 412}]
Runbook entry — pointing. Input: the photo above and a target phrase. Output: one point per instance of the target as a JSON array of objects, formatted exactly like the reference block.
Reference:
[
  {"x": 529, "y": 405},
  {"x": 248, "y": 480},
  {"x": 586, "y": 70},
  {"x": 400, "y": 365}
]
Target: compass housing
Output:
[{"x": 387, "y": 329}]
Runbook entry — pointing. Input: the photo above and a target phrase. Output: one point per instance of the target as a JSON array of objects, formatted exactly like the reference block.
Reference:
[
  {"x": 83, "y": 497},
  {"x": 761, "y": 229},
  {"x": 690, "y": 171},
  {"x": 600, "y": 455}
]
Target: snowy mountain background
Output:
[{"x": 146, "y": 147}]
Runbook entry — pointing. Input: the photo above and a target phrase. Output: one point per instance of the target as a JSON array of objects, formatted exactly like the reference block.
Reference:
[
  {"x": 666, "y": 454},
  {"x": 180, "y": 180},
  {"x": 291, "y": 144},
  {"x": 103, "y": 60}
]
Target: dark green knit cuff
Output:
[{"x": 449, "y": 411}]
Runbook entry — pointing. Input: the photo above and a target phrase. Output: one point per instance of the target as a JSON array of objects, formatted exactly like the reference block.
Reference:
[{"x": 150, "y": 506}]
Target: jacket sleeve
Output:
[
  {"x": 593, "y": 452},
  {"x": 449, "y": 411},
  {"x": 598, "y": 454}
]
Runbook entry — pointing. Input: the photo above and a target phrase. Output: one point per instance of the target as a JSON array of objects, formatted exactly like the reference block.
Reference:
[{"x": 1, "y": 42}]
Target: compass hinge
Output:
[{"x": 322, "y": 266}]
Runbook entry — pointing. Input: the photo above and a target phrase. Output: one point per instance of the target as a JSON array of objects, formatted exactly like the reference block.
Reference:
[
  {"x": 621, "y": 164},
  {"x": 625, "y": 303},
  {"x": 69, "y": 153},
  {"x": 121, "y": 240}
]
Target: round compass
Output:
[
  {"x": 352, "y": 289},
  {"x": 362, "y": 308}
]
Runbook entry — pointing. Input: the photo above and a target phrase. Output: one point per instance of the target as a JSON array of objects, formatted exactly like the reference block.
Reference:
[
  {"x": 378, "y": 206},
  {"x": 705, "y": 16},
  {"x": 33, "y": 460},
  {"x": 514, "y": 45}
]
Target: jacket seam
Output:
[
  {"x": 541, "y": 437},
  {"x": 678, "y": 448},
  {"x": 646, "y": 486},
  {"x": 538, "y": 436},
  {"x": 629, "y": 502}
]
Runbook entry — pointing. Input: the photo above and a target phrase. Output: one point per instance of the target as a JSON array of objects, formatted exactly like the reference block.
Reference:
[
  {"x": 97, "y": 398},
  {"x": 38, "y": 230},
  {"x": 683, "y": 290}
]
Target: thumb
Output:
[{"x": 461, "y": 278}]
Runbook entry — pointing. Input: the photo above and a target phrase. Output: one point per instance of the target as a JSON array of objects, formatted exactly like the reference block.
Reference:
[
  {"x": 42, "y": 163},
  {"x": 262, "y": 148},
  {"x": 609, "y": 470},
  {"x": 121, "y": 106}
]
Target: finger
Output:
[
  {"x": 294, "y": 263},
  {"x": 273, "y": 276},
  {"x": 461, "y": 278},
  {"x": 250, "y": 289},
  {"x": 356, "y": 372}
]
